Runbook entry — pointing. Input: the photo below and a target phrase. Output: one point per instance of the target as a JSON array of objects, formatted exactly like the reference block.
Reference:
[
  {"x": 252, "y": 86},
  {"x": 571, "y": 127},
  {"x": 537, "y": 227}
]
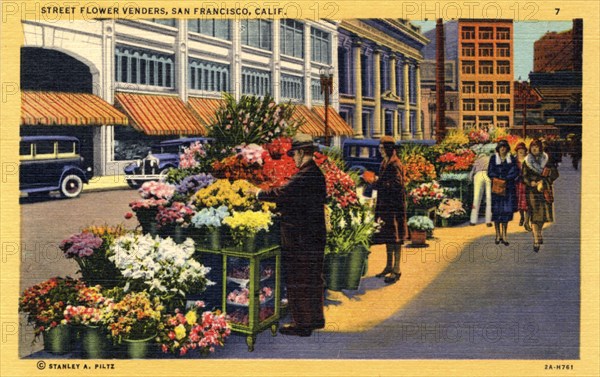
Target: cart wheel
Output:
[
  {"x": 250, "y": 339},
  {"x": 274, "y": 329}
]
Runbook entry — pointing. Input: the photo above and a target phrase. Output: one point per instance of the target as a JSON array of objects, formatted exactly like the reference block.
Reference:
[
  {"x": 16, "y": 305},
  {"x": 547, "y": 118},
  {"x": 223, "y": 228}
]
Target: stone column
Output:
[
  {"x": 236, "y": 59},
  {"x": 395, "y": 124},
  {"x": 181, "y": 60},
  {"x": 276, "y": 62},
  {"x": 307, "y": 66},
  {"x": 377, "y": 128},
  {"x": 419, "y": 126},
  {"x": 393, "y": 74},
  {"x": 406, "y": 124},
  {"x": 357, "y": 90},
  {"x": 103, "y": 136}
]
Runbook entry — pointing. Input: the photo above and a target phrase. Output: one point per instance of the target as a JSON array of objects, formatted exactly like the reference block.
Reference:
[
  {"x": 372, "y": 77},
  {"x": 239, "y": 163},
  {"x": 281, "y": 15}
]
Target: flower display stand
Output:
[{"x": 251, "y": 288}]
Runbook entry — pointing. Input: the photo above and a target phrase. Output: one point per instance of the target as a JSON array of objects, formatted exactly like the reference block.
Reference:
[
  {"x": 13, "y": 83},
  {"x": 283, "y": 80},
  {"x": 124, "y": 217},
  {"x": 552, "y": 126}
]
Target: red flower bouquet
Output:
[
  {"x": 460, "y": 160},
  {"x": 341, "y": 189}
]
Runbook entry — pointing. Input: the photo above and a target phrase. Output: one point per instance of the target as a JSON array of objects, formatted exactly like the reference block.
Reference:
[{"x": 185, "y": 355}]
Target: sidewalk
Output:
[{"x": 105, "y": 183}]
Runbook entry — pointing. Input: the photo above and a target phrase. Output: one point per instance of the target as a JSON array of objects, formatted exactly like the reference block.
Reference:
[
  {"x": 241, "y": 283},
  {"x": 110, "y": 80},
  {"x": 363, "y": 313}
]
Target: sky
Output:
[{"x": 525, "y": 33}]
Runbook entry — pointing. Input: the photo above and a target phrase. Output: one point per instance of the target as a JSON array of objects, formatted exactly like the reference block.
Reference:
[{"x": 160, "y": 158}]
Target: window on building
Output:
[
  {"x": 344, "y": 72},
  {"x": 400, "y": 79},
  {"x": 468, "y": 87},
  {"x": 503, "y": 50},
  {"x": 367, "y": 127},
  {"x": 486, "y": 105},
  {"x": 256, "y": 33},
  {"x": 256, "y": 82},
  {"x": 292, "y": 38},
  {"x": 383, "y": 74},
  {"x": 163, "y": 21},
  {"x": 468, "y": 121},
  {"x": 502, "y": 121},
  {"x": 209, "y": 76},
  {"x": 486, "y": 87},
  {"x": 315, "y": 90},
  {"x": 486, "y": 67},
  {"x": 365, "y": 74},
  {"x": 468, "y": 105},
  {"x": 412, "y": 83},
  {"x": 292, "y": 87},
  {"x": 389, "y": 123},
  {"x": 142, "y": 67},
  {"x": 468, "y": 49},
  {"x": 468, "y": 67},
  {"x": 503, "y": 33},
  {"x": 212, "y": 28},
  {"x": 486, "y": 49},
  {"x": 503, "y": 87},
  {"x": 503, "y": 68},
  {"x": 485, "y": 122},
  {"x": 320, "y": 45},
  {"x": 486, "y": 33},
  {"x": 468, "y": 32},
  {"x": 503, "y": 105}
]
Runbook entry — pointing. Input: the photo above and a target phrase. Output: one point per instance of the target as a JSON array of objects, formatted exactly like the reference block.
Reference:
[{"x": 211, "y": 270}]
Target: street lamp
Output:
[{"x": 326, "y": 76}]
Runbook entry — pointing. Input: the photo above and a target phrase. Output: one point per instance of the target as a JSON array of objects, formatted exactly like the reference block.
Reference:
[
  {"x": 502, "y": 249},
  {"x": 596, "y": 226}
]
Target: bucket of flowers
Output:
[
  {"x": 208, "y": 222},
  {"x": 45, "y": 304},
  {"x": 154, "y": 194},
  {"x": 134, "y": 321},
  {"x": 89, "y": 249},
  {"x": 419, "y": 227},
  {"x": 426, "y": 195},
  {"x": 244, "y": 226},
  {"x": 451, "y": 211},
  {"x": 196, "y": 331},
  {"x": 160, "y": 266},
  {"x": 173, "y": 220}
]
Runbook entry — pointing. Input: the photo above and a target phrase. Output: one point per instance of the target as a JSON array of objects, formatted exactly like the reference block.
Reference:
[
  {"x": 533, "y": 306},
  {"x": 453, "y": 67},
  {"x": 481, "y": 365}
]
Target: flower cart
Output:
[{"x": 251, "y": 289}]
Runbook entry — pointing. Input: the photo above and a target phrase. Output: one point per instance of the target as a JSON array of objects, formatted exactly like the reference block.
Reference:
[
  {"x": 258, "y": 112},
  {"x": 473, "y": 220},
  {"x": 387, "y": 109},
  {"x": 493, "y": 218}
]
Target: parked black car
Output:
[
  {"x": 363, "y": 154},
  {"x": 161, "y": 157},
  {"x": 50, "y": 163}
]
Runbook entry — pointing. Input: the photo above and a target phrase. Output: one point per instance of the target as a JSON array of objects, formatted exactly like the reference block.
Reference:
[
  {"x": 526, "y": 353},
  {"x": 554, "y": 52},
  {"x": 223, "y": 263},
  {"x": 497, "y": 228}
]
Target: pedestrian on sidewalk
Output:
[
  {"x": 522, "y": 207},
  {"x": 301, "y": 202},
  {"x": 503, "y": 171},
  {"x": 481, "y": 184},
  {"x": 390, "y": 208},
  {"x": 539, "y": 174}
]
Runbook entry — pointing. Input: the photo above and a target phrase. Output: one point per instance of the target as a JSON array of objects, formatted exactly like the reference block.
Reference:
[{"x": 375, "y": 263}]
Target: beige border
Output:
[{"x": 588, "y": 365}]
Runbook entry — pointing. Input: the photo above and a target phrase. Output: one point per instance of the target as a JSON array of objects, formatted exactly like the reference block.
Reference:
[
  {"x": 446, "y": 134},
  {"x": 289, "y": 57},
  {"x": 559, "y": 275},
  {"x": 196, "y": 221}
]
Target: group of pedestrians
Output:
[{"x": 515, "y": 183}]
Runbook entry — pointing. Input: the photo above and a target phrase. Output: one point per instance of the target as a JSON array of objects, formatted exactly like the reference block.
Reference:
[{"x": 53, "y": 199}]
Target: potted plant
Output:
[
  {"x": 160, "y": 266},
  {"x": 154, "y": 195},
  {"x": 194, "y": 331},
  {"x": 44, "y": 305},
  {"x": 419, "y": 226},
  {"x": 450, "y": 210},
  {"x": 209, "y": 222},
  {"x": 134, "y": 321}
]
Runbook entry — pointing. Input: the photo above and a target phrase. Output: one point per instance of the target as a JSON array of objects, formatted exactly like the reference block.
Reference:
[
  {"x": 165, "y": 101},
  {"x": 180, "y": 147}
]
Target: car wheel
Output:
[
  {"x": 71, "y": 186},
  {"x": 133, "y": 184}
]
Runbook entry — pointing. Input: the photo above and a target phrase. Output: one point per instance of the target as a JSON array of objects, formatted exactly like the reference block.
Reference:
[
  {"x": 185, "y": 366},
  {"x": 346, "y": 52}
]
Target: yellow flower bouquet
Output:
[
  {"x": 246, "y": 224},
  {"x": 237, "y": 196}
]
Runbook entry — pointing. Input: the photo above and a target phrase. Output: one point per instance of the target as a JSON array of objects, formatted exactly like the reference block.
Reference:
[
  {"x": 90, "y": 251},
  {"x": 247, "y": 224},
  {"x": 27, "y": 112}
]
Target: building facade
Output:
[
  {"x": 379, "y": 77},
  {"x": 169, "y": 75},
  {"x": 482, "y": 53}
]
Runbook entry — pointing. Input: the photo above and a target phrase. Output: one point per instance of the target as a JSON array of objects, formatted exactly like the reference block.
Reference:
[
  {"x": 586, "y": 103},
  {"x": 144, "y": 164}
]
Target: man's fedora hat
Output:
[{"x": 300, "y": 141}]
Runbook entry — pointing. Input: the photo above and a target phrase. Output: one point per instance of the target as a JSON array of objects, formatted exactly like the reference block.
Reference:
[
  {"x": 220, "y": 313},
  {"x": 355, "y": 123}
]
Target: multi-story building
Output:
[
  {"x": 168, "y": 76},
  {"x": 482, "y": 53},
  {"x": 379, "y": 74}
]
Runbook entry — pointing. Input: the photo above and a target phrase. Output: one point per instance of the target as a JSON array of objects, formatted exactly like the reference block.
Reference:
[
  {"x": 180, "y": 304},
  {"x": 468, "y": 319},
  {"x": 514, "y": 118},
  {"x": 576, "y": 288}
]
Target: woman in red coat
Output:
[{"x": 390, "y": 208}]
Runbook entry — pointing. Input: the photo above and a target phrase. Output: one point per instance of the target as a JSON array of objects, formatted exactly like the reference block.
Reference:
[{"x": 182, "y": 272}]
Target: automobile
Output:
[
  {"x": 361, "y": 155},
  {"x": 160, "y": 159},
  {"x": 51, "y": 163}
]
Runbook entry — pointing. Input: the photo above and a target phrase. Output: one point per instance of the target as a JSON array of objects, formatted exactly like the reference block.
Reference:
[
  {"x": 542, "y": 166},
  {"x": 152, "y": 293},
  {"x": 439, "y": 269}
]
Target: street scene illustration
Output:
[{"x": 300, "y": 189}]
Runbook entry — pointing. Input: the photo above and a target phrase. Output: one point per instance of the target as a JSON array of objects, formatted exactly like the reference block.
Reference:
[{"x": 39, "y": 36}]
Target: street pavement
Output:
[{"x": 476, "y": 301}]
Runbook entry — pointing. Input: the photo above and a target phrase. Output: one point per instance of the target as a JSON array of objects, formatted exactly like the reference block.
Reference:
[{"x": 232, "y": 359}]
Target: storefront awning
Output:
[
  {"x": 337, "y": 125},
  {"x": 310, "y": 122},
  {"x": 67, "y": 109},
  {"x": 159, "y": 114},
  {"x": 205, "y": 108}
]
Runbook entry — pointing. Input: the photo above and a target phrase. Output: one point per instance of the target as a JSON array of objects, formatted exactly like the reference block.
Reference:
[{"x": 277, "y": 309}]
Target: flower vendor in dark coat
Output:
[
  {"x": 503, "y": 166},
  {"x": 539, "y": 174},
  {"x": 301, "y": 202},
  {"x": 390, "y": 208}
]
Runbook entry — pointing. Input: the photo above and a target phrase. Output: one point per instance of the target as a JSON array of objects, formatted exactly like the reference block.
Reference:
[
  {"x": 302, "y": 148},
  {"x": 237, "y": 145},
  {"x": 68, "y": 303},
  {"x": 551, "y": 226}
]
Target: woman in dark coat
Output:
[
  {"x": 390, "y": 208},
  {"x": 539, "y": 174},
  {"x": 503, "y": 166}
]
